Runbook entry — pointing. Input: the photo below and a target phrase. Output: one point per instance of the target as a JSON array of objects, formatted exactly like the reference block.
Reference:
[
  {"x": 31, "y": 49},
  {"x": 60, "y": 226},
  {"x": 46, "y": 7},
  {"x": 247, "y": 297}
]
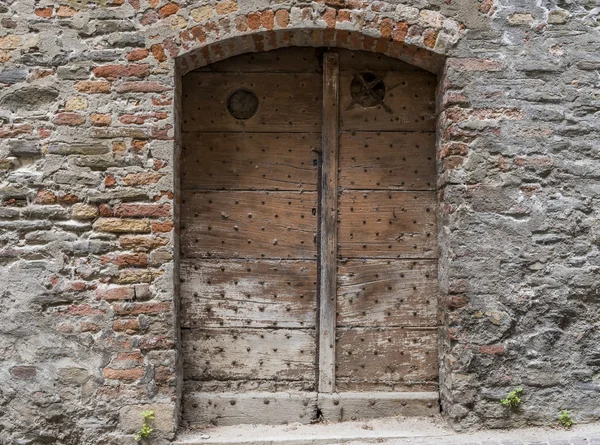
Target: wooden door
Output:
[{"x": 308, "y": 239}]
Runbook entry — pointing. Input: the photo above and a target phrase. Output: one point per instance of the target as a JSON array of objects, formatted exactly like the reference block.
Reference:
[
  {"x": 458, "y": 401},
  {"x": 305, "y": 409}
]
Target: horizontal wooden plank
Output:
[
  {"x": 248, "y": 385},
  {"x": 387, "y": 293},
  {"x": 369, "y": 61},
  {"x": 286, "y": 102},
  {"x": 202, "y": 409},
  {"x": 250, "y": 161},
  {"x": 259, "y": 354},
  {"x": 371, "y": 405},
  {"x": 388, "y": 160},
  {"x": 384, "y": 355},
  {"x": 249, "y": 225},
  {"x": 387, "y": 224},
  {"x": 349, "y": 384},
  {"x": 248, "y": 293},
  {"x": 285, "y": 60},
  {"x": 409, "y": 95}
]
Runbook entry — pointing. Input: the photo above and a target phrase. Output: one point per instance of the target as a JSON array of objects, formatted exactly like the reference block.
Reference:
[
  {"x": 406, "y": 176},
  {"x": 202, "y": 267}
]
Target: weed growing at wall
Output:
[
  {"x": 513, "y": 399},
  {"x": 145, "y": 431},
  {"x": 565, "y": 419}
]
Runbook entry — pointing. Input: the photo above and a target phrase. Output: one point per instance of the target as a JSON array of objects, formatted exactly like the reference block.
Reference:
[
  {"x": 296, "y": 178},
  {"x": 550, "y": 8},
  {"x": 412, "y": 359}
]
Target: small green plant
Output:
[
  {"x": 565, "y": 419},
  {"x": 146, "y": 429},
  {"x": 513, "y": 399}
]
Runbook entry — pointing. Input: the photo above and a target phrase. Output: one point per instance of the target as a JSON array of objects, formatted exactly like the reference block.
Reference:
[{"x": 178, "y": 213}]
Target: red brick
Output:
[
  {"x": 45, "y": 196},
  {"x": 142, "y": 242},
  {"x": 84, "y": 310},
  {"x": 166, "y": 226},
  {"x": 143, "y": 210},
  {"x": 429, "y": 38},
  {"x": 125, "y": 325},
  {"x": 454, "y": 149},
  {"x": 133, "y": 179},
  {"x": 123, "y": 374},
  {"x": 282, "y": 18},
  {"x": 115, "y": 293},
  {"x": 267, "y": 19},
  {"x": 100, "y": 120},
  {"x": 138, "y": 146},
  {"x": 492, "y": 349},
  {"x": 120, "y": 71},
  {"x": 44, "y": 12},
  {"x": 69, "y": 119},
  {"x": 329, "y": 17},
  {"x": 386, "y": 28},
  {"x": 110, "y": 181},
  {"x": 129, "y": 356},
  {"x": 66, "y": 11},
  {"x": 400, "y": 32},
  {"x": 15, "y": 130},
  {"x": 241, "y": 23},
  {"x": 92, "y": 87},
  {"x": 105, "y": 210},
  {"x": 158, "y": 52},
  {"x": 343, "y": 15},
  {"x": 254, "y": 20},
  {"x": 139, "y": 119},
  {"x": 141, "y": 308},
  {"x": 149, "y": 18},
  {"x": 137, "y": 54},
  {"x": 141, "y": 87},
  {"x": 168, "y": 10},
  {"x": 68, "y": 199},
  {"x": 126, "y": 260}
]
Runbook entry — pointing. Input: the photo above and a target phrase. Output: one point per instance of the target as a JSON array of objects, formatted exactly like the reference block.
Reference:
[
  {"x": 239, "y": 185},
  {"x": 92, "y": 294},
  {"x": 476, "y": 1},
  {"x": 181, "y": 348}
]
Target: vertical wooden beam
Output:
[{"x": 328, "y": 218}]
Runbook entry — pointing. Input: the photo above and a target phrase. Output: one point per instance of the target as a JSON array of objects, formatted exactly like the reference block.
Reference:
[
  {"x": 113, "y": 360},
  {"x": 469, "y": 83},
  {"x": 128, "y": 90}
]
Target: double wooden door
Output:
[{"x": 308, "y": 238}]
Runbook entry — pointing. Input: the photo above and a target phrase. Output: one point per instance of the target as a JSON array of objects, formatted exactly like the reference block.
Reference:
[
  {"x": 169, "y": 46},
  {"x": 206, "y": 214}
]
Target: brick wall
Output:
[{"x": 88, "y": 187}]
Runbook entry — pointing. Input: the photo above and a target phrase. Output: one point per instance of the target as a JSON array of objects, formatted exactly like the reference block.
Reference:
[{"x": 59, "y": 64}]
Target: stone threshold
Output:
[{"x": 431, "y": 430}]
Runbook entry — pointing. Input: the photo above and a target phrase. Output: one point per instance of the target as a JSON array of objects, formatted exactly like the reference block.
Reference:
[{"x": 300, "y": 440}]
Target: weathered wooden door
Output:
[{"x": 308, "y": 239}]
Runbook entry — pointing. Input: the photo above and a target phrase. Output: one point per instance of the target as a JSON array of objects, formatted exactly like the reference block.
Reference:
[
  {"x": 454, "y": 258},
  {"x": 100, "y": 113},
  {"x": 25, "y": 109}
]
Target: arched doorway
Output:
[{"x": 308, "y": 238}]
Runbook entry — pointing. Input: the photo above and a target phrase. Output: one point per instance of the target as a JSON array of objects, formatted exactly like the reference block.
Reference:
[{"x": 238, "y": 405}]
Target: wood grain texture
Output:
[
  {"x": 328, "y": 207},
  {"x": 373, "y": 62},
  {"x": 249, "y": 225},
  {"x": 241, "y": 354},
  {"x": 256, "y": 293},
  {"x": 202, "y": 409},
  {"x": 385, "y": 293},
  {"x": 285, "y": 60},
  {"x": 394, "y": 161},
  {"x": 371, "y": 405},
  {"x": 387, "y": 224},
  {"x": 409, "y": 95},
  {"x": 250, "y": 161},
  {"x": 287, "y": 102},
  {"x": 386, "y": 355}
]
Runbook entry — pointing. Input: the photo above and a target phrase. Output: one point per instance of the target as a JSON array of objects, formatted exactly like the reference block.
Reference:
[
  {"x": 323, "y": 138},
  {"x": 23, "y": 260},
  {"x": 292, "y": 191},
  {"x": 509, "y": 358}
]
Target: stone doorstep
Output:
[{"x": 431, "y": 430}]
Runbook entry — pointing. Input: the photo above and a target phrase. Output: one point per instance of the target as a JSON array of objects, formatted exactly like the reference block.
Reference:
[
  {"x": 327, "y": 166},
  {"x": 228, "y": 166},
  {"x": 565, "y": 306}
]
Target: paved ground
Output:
[{"x": 393, "y": 431}]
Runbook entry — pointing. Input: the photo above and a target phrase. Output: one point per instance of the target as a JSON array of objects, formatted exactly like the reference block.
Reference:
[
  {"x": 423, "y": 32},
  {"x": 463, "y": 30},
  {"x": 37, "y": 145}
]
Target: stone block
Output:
[
  {"x": 131, "y": 420},
  {"x": 117, "y": 225}
]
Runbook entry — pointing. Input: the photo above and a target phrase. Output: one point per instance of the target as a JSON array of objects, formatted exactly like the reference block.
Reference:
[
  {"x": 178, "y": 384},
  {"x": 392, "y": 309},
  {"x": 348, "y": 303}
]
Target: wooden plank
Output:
[
  {"x": 409, "y": 95},
  {"x": 389, "y": 160},
  {"x": 387, "y": 293},
  {"x": 230, "y": 354},
  {"x": 386, "y": 355},
  {"x": 250, "y": 161},
  {"x": 286, "y": 102},
  {"x": 249, "y": 225},
  {"x": 387, "y": 224},
  {"x": 372, "y": 405},
  {"x": 368, "y": 61},
  {"x": 202, "y": 409},
  {"x": 248, "y": 293},
  {"x": 248, "y": 385},
  {"x": 285, "y": 60},
  {"x": 328, "y": 235}
]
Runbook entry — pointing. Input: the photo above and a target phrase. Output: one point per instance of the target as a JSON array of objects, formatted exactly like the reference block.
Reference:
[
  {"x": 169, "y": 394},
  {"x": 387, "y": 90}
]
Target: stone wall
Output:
[{"x": 88, "y": 188}]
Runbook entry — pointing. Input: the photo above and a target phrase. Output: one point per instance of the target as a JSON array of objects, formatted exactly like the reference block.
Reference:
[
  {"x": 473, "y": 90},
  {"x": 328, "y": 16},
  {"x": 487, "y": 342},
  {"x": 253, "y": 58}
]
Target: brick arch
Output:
[{"x": 418, "y": 37}]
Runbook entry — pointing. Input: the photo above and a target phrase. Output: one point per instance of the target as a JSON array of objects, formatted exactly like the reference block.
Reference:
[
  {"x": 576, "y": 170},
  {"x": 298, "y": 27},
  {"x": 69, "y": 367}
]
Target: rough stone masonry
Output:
[{"x": 88, "y": 198}]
